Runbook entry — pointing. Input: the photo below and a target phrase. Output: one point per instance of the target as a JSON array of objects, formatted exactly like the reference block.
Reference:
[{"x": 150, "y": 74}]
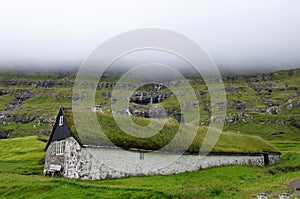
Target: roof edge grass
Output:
[{"x": 228, "y": 143}]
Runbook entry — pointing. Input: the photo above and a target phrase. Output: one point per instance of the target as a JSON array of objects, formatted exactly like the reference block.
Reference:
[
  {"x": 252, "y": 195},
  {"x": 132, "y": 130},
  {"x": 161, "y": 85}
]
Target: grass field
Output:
[
  {"x": 21, "y": 159},
  {"x": 21, "y": 174}
]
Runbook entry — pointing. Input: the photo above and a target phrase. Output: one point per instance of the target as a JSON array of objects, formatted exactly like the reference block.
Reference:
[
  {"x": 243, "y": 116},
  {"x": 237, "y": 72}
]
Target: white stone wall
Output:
[
  {"x": 274, "y": 159},
  {"x": 101, "y": 163}
]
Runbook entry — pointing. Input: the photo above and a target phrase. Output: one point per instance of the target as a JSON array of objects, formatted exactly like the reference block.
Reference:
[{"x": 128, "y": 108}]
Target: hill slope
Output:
[{"x": 267, "y": 105}]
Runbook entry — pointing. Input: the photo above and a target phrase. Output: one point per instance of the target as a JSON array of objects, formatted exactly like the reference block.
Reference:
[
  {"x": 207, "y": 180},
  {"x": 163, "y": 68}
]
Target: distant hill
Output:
[{"x": 267, "y": 105}]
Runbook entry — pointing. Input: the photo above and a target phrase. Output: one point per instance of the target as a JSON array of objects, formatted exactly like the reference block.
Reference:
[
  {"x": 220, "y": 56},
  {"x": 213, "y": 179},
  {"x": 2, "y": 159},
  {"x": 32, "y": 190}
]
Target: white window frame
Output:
[
  {"x": 60, "y": 147},
  {"x": 61, "y": 121}
]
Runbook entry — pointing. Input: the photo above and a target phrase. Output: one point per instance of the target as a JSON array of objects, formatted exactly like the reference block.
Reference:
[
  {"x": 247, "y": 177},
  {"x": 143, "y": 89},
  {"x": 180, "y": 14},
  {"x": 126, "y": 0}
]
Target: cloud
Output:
[{"x": 238, "y": 35}]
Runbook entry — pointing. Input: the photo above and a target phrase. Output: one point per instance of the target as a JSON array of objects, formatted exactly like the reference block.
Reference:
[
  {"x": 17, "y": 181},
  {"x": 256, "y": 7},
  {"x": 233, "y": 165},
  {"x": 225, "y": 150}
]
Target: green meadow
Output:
[
  {"x": 22, "y": 153},
  {"x": 21, "y": 174}
]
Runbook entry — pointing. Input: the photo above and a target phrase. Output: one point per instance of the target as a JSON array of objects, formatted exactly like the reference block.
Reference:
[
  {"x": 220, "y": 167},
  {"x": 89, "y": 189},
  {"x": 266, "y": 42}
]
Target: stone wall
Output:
[{"x": 101, "y": 163}]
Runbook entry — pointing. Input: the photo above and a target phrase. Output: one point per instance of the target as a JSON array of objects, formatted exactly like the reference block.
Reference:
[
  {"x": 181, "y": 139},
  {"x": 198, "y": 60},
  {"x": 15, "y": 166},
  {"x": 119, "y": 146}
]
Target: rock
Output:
[
  {"x": 292, "y": 103},
  {"x": 11, "y": 106},
  {"x": 157, "y": 112},
  {"x": 289, "y": 106},
  {"x": 24, "y": 95},
  {"x": 149, "y": 97},
  {"x": 295, "y": 122},
  {"x": 291, "y": 73},
  {"x": 45, "y": 84},
  {"x": 237, "y": 118},
  {"x": 203, "y": 92},
  {"x": 139, "y": 112},
  {"x": 43, "y": 132},
  {"x": 253, "y": 79},
  {"x": 26, "y": 119},
  {"x": 230, "y": 90},
  {"x": 269, "y": 103},
  {"x": 4, "y": 134},
  {"x": 273, "y": 110},
  {"x": 48, "y": 122},
  {"x": 123, "y": 111},
  {"x": 4, "y": 92},
  {"x": 240, "y": 105}
]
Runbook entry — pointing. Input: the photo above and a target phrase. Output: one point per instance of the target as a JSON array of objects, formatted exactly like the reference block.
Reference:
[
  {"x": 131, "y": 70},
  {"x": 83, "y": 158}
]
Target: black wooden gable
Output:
[{"x": 60, "y": 130}]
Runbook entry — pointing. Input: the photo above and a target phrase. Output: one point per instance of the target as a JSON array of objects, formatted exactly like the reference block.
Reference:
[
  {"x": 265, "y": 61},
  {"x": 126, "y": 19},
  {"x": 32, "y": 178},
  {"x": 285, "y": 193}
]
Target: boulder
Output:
[{"x": 273, "y": 110}]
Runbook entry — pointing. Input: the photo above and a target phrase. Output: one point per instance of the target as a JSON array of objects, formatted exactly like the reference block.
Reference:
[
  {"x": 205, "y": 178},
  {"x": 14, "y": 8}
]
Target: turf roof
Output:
[{"x": 228, "y": 143}]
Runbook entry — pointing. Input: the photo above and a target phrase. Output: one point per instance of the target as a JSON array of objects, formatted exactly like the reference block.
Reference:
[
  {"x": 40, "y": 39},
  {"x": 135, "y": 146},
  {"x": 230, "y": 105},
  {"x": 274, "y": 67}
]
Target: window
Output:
[
  {"x": 60, "y": 147},
  {"x": 61, "y": 120}
]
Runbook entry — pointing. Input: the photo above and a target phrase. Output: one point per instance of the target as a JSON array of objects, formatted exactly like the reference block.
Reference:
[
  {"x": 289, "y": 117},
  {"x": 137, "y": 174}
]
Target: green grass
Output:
[
  {"x": 20, "y": 152},
  {"x": 44, "y": 103},
  {"x": 5, "y": 100},
  {"x": 21, "y": 159},
  {"x": 21, "y": 177},
  {"x": 228, "y": 141}
]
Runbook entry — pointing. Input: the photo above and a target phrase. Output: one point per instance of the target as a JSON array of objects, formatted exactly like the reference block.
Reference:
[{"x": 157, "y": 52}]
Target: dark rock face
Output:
[
  {"x": 45, "y": 84},
  {"x": 295, "y": 122},
  {"x": 24, "y": 95},
  {"x": 25, "y": 119},
  {"x": 48, "y": 122},
  {"x": 273, "y": 110},
  {"x": 203, "y": 92},
  {"x": 150, "y": 97},
  {"x": 140, "y": 111},
  {"x": 253, "y": 78},
  {"x": 292, "y": 103},
  {"x": 4, "y": 92},
  {"x": 145, "y": 111},
  {"x": 240, "y": 105},
  {"x": 20, "y": 97},
  {"x": 269, "y": 103},
  {"x": 237, "y": 118},
  {"x": 4, "y": 134},
  {"x": 37, "y": 84}
]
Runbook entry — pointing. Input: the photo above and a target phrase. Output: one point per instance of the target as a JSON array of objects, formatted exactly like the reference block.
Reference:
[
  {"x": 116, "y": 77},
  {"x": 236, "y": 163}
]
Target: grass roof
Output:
[{"x": 228, "y": 142}]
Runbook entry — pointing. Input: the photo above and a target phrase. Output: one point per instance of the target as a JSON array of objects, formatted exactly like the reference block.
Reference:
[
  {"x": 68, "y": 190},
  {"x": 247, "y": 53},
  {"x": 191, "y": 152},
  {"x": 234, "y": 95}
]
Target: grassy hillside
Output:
[
  {"x": 29, "y": 103},
  {"x": 21, "y": 177}
]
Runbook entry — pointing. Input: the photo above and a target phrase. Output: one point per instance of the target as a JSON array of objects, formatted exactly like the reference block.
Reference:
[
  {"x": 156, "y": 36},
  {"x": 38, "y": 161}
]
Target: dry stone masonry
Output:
[{"x": 78, "y": 162}]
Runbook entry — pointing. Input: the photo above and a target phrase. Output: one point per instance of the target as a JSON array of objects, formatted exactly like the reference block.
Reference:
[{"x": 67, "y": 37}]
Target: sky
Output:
[{"x": 239, "y": 35}]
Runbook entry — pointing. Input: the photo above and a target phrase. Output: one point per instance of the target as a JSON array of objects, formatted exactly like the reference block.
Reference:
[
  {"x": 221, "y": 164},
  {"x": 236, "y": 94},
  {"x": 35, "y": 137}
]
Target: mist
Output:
[{"x": 239, "y": 36}]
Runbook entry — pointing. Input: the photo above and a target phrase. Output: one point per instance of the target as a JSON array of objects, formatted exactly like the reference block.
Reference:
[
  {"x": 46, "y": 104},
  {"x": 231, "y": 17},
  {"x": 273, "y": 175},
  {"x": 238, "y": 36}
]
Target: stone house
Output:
[{"x": 70, "y": 157}]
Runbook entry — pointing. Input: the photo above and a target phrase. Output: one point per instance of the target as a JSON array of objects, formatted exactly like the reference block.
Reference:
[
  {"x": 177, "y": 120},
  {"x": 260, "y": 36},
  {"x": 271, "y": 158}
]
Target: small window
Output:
[
  {"x": 60, "y": 147},
  {"x": 61, "y": 120},
  {"x": 142, "y": 155}
]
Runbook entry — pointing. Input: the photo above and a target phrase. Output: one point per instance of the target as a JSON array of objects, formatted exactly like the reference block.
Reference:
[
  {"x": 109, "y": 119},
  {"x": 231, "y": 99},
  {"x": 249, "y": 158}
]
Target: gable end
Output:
[{"x": 61, "y": 129}]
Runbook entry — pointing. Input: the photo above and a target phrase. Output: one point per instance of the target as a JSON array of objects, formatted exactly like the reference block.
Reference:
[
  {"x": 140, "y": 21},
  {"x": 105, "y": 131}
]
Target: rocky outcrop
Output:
[
  {"x": 237, "y": 118},
  {"x": 45, "y": 84},
  {"x": 25, "y": 119},
  {"x": 154, "y": 95},
  {"x": 292, "y": 103},
  {"x": 4, "y": 92},
  {"x": 295, "y": 121},
  {"x": 149, "y": 97},
  {"x": 240, "y": 105},
  {"x": 273, "y": 110},
  {"x": 24, "y": 95}
]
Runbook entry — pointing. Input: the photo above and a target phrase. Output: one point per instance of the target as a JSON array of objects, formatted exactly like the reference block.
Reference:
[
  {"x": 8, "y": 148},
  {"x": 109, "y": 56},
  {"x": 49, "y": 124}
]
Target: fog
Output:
[{"x": 250, "y": 35}]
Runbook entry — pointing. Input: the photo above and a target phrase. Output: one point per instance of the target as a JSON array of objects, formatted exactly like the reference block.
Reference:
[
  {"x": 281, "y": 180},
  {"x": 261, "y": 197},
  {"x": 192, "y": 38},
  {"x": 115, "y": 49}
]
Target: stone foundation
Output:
[{"x": 100, "y": 163}]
